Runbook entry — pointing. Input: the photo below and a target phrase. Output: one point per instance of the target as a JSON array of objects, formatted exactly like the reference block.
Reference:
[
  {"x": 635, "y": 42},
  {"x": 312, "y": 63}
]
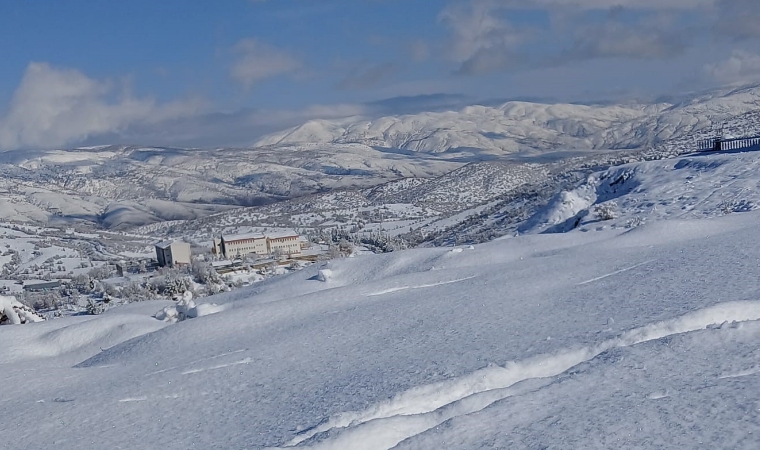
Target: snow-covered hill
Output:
[
  {"x": 644, "y": 338},
  {"x": 521, "y": 126},
  {"x": 691, "y": 185},
  {"x": 120, "y": 186},
  {"x": 393, "y": 208},
  {"x": 484, "y": 200}
]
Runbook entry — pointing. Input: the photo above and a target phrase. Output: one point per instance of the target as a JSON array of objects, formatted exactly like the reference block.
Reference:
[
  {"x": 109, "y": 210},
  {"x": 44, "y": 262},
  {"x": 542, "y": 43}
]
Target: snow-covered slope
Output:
[
  {"x": 688, "y": 186},
  {"x": 644, "y": 338},
  {"x": 521, "y": 126},
  {"x": 393, "y": 208},
  {"x": 120, "y": 186}
]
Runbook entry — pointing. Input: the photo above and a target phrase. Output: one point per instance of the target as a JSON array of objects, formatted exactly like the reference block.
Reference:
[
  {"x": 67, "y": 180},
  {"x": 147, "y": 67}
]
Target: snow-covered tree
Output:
[
  {"x": 13, "y": 312},
  {"x": 606, "y": 210},
  {"x": 204, "y": 272}
]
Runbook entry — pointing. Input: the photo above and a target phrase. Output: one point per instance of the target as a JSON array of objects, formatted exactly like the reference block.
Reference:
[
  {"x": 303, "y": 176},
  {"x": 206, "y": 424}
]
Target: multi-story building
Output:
[
  {"x": 257, "y": 244},
  {"x": 242, "y": 245},
  {"x": 284, "y": 244},
  {"x": 170, "y": 253}
]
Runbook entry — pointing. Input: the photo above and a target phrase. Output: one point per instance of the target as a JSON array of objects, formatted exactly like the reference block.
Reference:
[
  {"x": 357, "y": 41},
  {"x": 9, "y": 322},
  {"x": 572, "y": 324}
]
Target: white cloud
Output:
[
  {"x": 480, "y": 40},
  {"x": 609, "y": 4},
  {"x": 52, "y": 107},
  {"x": 740, "y": 67},
  {"x": 257, "y": 61},
  {"x": 231, "y": 128}
]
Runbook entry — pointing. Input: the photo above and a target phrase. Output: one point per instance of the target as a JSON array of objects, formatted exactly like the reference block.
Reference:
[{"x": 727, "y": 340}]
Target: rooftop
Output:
[
  {"x": 282, "y": 234},
  {"x": 32, "y": 285},
  {"x": 242, "y": 237}
]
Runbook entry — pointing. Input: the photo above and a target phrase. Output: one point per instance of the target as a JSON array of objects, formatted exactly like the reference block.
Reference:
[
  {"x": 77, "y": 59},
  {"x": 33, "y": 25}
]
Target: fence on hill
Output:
[{"x": 718, "y": 144}]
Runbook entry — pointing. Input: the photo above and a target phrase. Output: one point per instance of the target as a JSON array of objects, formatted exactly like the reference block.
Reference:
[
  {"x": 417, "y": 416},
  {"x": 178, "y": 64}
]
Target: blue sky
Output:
[{"x": 206, "y": 73}]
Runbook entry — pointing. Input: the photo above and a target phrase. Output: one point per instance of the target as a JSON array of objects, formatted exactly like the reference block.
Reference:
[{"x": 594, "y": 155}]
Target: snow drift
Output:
[{"x": 521, "y": 340}]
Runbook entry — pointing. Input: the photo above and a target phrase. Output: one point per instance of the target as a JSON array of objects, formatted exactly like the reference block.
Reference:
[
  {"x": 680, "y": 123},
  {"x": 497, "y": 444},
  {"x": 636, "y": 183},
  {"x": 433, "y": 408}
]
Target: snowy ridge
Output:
[
  {"x": 520, "y": 126},
  {"x": 509, "y": 128},
  {"x": 487, "y": 199}
]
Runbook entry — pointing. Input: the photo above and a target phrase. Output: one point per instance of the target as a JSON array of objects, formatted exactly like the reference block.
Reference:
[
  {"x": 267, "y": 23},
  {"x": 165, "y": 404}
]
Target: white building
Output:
[
  {"x": 242, "y": 245},
  {"x": 170, "y": 253},
  {"x": 237, "y": 246},
  {"x": 284, "y": 244}
]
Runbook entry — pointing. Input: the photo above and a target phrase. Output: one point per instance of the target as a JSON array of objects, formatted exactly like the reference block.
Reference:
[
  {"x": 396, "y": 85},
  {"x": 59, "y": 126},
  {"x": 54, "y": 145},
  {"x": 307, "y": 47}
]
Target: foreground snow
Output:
[{"x": 642, "y": 338}]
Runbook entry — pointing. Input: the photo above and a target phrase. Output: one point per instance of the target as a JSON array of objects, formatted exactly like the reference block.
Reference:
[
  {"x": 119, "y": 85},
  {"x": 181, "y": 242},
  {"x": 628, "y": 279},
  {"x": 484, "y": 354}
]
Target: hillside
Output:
[
  {"x": 639, "y": 338},
  {"x": 668, "y": 181},
  {"x": 121, "y": 186},
  {"x": 484, "y": 200}
]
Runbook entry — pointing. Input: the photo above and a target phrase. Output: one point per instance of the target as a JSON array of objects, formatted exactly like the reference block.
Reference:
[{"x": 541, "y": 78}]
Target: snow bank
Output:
[
  {"x": 386, "y": 424},
  {"x": 71, "y": 339},
  {"x": 324, "y": 275},
  {"x": 185, "y": 308},
  {"x": 565, "y": 211}
]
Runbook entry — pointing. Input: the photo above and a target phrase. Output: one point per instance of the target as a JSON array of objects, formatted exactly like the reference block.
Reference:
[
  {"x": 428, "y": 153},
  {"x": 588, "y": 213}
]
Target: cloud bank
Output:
[{"x": 53, "y": 107}]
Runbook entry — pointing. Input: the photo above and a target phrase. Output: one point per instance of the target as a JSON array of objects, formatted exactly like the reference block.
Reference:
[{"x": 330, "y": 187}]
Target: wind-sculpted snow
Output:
[
  {"x": 413, "y": 412},
  {"x": 69, "y": 339},
  {"x": 644, "y": 337}
]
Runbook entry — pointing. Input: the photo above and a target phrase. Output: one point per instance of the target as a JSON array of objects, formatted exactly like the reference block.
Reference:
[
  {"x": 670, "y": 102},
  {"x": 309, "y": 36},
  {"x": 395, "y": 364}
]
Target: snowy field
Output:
[{"x": 623, "y": 338}]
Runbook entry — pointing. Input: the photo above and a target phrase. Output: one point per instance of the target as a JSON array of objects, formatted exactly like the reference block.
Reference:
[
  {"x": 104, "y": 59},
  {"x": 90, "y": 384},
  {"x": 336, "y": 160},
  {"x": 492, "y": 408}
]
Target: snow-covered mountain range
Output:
[
  {"x": 521, "y": 126},
  {"x": 507, "y": 146}
]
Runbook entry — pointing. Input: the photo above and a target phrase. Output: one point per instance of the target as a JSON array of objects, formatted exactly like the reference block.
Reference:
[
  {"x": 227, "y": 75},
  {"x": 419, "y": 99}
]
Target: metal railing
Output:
[{"x": 718, "y": 144}]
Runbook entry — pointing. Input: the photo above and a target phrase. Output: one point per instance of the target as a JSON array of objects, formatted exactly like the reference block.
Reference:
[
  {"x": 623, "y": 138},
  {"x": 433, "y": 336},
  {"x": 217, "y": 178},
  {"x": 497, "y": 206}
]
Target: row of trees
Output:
[
  {"x": 342, "y": 241},
  {"x": 170, "y": 283}
]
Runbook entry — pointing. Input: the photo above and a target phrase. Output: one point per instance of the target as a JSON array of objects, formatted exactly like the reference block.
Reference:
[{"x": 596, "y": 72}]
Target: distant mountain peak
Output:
[{"x": 520, "y": 125}]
